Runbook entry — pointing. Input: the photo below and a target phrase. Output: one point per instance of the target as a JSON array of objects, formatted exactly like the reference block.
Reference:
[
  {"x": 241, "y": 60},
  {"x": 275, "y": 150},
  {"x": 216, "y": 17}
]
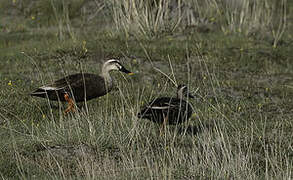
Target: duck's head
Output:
[
  {"x": 182, "y": 91},
  {"x": 114, "y": 64}
]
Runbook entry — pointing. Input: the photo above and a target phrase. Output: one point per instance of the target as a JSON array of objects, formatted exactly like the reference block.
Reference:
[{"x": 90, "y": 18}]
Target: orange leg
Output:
[
  {"x": 163, "y": 126},
  {"x": 70, "y": 104}
]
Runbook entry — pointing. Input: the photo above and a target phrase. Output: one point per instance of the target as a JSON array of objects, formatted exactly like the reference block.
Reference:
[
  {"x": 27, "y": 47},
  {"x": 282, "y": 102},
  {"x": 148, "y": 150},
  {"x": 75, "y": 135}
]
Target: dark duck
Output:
[{"x": 168, "y": 110}]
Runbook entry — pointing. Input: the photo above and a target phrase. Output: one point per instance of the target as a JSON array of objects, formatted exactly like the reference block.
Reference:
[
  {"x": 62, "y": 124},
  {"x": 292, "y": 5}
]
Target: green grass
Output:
[{"x": 241, "y": 127}]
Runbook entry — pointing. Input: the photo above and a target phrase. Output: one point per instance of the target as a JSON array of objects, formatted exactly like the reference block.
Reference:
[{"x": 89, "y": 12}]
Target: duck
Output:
[
  {"x": 81, "y": 87},
  {"x": 168, "y": 110}
]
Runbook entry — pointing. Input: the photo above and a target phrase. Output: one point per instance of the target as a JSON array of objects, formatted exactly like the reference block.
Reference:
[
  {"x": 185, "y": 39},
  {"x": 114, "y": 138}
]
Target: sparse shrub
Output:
[{"x": 153, "y": 17}]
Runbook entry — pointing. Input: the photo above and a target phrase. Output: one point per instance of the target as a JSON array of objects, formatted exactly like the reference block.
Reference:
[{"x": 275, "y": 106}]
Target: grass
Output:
[{"x": 242, "y": 122}]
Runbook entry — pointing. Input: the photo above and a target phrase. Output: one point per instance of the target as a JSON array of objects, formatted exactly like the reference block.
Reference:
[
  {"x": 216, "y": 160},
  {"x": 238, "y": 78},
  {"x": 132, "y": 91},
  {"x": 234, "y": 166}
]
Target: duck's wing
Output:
[
  {"x": 73, "y": 80},
  {"x": 163, "y": 103},
  {"x": 66, "y": 84},
  {"x": 60, "y": 84},
  {"x": 174, "y": 108},
  {"x": 156, "y": 108},
  {"x": 157, "y": 105},
  {"x": 168, "y": 105}
]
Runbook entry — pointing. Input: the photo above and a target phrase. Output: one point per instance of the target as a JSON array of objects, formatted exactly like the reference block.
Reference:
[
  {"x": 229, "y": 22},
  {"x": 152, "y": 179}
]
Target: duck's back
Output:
[{"x": 175, "y": 109}]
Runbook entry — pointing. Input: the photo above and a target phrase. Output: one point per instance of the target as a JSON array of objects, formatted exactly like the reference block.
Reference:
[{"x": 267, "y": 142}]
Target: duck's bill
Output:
[{"x": 126, "y": 71}]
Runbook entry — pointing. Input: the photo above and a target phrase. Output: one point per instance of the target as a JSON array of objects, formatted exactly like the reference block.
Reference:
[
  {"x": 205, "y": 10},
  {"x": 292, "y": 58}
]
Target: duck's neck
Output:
[{"x": 108, "y": 80}]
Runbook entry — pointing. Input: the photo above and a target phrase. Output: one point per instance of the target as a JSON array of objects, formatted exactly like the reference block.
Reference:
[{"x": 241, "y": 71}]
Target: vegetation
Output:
[{"x": 236, "y": 57}]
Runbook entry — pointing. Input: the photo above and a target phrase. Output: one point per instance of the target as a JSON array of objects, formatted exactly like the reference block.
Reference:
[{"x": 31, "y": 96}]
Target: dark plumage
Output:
[{"x": 168, "y": 110}]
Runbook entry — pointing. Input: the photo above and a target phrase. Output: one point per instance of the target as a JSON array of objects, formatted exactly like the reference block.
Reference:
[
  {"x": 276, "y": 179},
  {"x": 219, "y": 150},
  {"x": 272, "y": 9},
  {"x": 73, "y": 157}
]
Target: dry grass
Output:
[
  {"x": 152, "y": 18},
  {"x": 242, "y": 122}
]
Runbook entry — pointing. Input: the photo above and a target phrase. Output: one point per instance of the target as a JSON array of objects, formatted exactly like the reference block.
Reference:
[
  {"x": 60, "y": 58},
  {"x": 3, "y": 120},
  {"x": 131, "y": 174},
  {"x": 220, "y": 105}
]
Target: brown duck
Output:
[{"x": 82, "y": 86}]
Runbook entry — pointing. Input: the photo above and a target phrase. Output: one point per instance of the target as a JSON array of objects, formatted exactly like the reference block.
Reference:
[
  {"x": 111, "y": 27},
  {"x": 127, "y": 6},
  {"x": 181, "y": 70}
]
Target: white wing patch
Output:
[
  {"x": 159, "y": 107},
  {"x": 166, "y": 106},
  {"x": 48, "y": 88}
]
